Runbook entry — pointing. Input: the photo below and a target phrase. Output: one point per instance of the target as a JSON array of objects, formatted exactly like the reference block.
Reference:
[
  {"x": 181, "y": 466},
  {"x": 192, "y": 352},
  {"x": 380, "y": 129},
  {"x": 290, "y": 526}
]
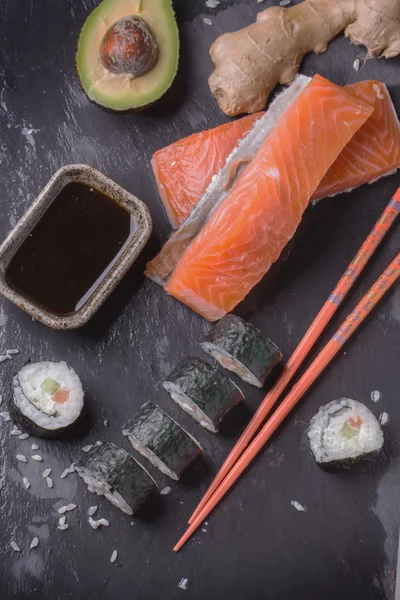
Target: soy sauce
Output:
[{"x": 71, "y": 249}]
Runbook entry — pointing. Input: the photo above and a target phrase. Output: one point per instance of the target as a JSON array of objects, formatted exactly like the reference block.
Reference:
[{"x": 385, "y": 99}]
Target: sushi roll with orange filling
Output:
[
  {"x": 343, "y": 432},
  {"x": 47, "y": 398}
]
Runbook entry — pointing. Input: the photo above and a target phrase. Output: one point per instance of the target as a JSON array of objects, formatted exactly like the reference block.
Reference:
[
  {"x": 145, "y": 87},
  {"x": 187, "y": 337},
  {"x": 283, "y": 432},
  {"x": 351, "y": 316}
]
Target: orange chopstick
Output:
[
  {"x": 317, "y": 327},
  {"x": 353, "y": 321}
]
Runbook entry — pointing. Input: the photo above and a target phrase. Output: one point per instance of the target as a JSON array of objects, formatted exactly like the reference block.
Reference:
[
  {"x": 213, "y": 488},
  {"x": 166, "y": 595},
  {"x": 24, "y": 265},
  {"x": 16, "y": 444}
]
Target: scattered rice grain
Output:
[
  {"x": 92, "y": 510},
  {"x": 49, "y": 482},
  {"x": 356, "y": 64},
  {"x": 298, "y": 506},
  {"x": 87, "y": 448},
  {"x": 34, "y": 543},
  {"x": 15, "y": 432},
  {"x": 165, "y": 491},
  {"x": 21, "y": 458},
  {"x": 207, "y": 21},
  {"x": 26, "y": 483},
  {"x": 37, "y": 457},
  {"x": 71, "y": 468},
  {"x": 384, "y": 418},
  {"x": 62, "y": 510},
  {"x": 376, "y": 396},
  {"x": 61, "y": 520},
  {"x": 63, "y": 527},
  {"x": 183, "y": 583},
  {"x": 94, "y": 524},
  {"x": 12, "y": 351},
  {"x": 46, "y": 472},
  {"x": 212, "y": 3},
  {"x": 70, "y": 507},
  {"x": 104, "y": 522},
  {"x": 105, "y": 423},
  {"x": 23, "y": 436},
  {"x": 15, "y": 546},
  {"x": 114, "y": 556},
  {"x": 65, "y": 473},
  {"x": 35, "y": 447}
]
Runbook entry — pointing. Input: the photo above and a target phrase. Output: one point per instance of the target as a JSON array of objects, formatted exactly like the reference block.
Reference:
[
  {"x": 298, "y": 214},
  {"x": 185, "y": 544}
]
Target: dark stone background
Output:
[{"x": 255, "y": 545}]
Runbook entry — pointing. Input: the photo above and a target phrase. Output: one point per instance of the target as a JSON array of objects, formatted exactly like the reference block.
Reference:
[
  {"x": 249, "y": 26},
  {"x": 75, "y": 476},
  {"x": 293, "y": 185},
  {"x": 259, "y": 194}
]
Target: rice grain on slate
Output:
[
  {"x": 16, "y": 432},
  {"x": 26, "y": 483},
  {"x": 37, "y": 457},
  {"x": 64, "y": 473},
  {"x": 15, "y": 546},
  {"x": 34, "y": 447},
  {"x": 49, "y": 482},
  {"x": 93, "y": 524},
  {"x": 61, "y": 520},
  {"x": 23, "y": 436},
  {"x": 104, "y": 522},
  {"x": 207, "y": 21},
  {"x": 34, "y": 543},
  {"x": 63, "y": 527},
  {"x": 62, "y": 510},
  {"x": 114, "y": 556},
  {"x": 70, "y": 507},
  {"x": 92, "y": 510},
  {"x": 46, "y": 473},
  {"x": 21, "y": 458}
]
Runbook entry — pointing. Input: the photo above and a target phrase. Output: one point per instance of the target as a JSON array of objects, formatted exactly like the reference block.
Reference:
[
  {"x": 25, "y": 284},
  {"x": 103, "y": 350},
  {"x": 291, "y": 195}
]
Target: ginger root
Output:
[{"x": 250, "y": 62}]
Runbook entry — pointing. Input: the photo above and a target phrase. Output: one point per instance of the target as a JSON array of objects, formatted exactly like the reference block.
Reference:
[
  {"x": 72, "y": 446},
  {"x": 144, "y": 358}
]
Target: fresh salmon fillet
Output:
[
  {"x": 373, "y": 152},
  {"x": 249, "y": 230},
  {"x": 184, "y": 169}
]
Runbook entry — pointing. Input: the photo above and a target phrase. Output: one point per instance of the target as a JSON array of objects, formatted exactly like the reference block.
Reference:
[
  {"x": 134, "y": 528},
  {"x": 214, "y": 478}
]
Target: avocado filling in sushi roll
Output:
[
  {"x": 161, "y": 440},
  {"x": 47, "y": 398},
  {"x": 203, "y": 392},
  {"x": 342, "y": 432},
  {"x": 242, "y": 349},
  {"x": 113, "y": 473}
]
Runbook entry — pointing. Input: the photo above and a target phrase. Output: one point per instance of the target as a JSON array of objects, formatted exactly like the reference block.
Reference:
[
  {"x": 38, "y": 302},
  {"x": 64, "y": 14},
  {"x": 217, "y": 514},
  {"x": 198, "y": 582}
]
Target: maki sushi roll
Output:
[
  {"x": 242, "y": 349},
  {"x": 47, "y": 398},
  {"x": 113, "y": 473},
  {"x": 161, "y": 440},
  {"x": 203, "y": 392},
  {"x": 342, "y": 432}
]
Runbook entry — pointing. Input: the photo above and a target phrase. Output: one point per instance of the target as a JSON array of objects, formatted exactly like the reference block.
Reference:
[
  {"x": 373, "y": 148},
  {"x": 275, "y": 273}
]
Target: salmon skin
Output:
[
  {"x": 250, "y": 228},
  {"x": 160, "y": 268},
  {"x": 373, "y": 152},
  {"x": 184, "y": 169}
]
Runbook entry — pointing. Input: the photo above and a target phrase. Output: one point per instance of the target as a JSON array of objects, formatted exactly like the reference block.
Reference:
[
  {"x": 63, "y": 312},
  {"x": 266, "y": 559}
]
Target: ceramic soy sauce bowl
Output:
[{"x": 17, "y": 279}]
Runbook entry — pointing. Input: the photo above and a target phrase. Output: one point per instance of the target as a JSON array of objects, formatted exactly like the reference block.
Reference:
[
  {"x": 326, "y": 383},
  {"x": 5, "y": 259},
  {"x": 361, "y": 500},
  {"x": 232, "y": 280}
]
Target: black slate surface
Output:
[{"x": 256, "y": 545}]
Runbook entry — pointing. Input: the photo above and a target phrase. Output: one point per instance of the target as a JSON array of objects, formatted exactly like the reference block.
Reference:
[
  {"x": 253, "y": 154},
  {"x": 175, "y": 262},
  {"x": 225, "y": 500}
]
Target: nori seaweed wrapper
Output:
[
  {"x": 160, "y": 439},
  {"x": 243, "y": 349},
  {"x": 119, "y": 471},
  {"x": 207, "y": 388}
]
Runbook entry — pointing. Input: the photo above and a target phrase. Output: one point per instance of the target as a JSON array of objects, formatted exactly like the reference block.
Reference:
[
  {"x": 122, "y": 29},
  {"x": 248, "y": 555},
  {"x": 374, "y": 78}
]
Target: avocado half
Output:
[{"x": 122, "y": 91}]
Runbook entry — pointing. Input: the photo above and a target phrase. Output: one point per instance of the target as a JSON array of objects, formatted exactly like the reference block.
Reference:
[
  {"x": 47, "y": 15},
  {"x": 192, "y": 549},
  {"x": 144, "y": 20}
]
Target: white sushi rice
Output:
[
  {"x": 104, "y": 522},
  {"x": 63, "y": 527},
  {"x": 26, "y": 483},
  {"x": 17, "y": 432},
  {"x": 34, "y": 447},
  {"x": 61, "y": 520},
  {"x": 62, "y": 510},
  {"x": 38, "y": 405},
  {"x": 46, "y": 473},
  {"x": 165, "y": 491},
  {"x": 34, "y": 543},
  {"x": 15, "y": 546},
  {"x": 49, "y": 482},
  {"x": 21, "y": 458},
  {"x": 70, "y": 507},
  {"x": 92, "y": 510},
  {"x": 64, "y": 473},
  {"x": 327, "y": 441},
  {"x": 207, "y": 21},
  {"x": 384, "y": 418},
  {"x": 36, "y": 457},
  {"x": 23, "y": 436}
]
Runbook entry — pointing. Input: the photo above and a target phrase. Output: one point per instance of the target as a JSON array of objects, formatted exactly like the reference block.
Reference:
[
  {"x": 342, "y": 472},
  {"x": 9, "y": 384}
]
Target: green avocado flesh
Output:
[{"x": 120, "y": 91}]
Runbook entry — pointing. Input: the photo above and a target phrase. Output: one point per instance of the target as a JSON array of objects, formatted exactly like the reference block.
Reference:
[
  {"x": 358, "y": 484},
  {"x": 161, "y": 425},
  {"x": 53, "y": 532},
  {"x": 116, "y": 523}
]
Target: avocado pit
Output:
[{"x": 129, "y": 47}]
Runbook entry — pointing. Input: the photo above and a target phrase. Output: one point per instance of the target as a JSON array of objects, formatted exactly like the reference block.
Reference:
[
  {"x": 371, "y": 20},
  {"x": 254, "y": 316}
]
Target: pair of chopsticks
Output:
[{"x": 240, "y": 457}]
